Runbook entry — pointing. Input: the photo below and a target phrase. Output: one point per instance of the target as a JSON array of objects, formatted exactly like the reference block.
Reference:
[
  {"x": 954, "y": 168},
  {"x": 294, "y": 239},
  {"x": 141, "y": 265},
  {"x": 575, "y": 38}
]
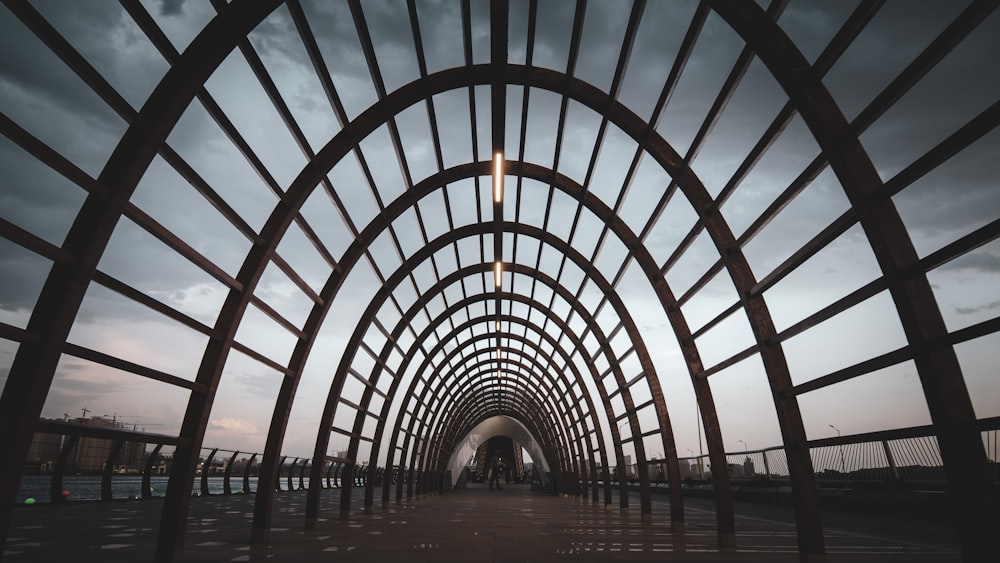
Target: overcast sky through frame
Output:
[{"x": 40, "y": 94}]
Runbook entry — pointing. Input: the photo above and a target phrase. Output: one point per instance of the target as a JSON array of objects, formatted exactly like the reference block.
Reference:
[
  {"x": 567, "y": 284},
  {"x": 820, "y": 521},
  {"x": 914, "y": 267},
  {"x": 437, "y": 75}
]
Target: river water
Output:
[{"x": 88, "y": 487}]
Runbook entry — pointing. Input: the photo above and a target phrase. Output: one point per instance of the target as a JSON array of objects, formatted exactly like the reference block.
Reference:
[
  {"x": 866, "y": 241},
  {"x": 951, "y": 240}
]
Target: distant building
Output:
[
  {"x": 43, "y": 453},
  {"x": 89, "y": 455}
]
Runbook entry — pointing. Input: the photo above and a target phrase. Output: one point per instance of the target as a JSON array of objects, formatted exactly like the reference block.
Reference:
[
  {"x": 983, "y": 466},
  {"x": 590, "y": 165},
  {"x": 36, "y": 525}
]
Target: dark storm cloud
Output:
[
  {"x": 36, "y": 70},
  {"x": 973, "y": 310},
  {"x": 982, "y": 262}
]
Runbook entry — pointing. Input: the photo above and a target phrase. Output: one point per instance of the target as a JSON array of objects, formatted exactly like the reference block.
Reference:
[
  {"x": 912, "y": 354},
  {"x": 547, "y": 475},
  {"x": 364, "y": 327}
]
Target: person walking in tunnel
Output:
[{"x": 495, "y": 462}]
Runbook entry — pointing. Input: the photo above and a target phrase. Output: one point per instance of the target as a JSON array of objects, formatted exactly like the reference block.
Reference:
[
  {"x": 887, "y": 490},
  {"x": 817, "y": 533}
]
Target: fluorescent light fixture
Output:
[
  {"x": 498, "y": 177},
  {"x": 498, "y": 273}
]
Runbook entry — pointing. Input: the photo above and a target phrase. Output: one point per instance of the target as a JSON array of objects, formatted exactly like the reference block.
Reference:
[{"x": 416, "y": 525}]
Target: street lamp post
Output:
[
  {"x": 623, "y": 467},
  {"x": 840, "y": 447},
  {"x": 744, "y": 448}
]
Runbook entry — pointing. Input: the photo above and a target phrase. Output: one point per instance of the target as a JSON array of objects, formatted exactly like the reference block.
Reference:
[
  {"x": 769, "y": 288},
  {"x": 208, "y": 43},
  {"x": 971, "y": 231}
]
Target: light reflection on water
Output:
[{"x": 88, "y": 487}]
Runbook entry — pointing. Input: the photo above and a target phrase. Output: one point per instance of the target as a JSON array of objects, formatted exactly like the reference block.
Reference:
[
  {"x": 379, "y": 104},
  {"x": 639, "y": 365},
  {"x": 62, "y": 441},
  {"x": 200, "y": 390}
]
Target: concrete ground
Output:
[{"x": 512, "y": 525}]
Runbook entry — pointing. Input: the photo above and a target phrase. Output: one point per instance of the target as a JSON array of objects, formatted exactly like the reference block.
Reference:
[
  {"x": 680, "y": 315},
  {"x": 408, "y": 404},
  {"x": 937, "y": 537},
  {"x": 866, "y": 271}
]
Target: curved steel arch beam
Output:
[
  {"x": 631, "y": 329},
  {"x": 945, "y": 392},
  {"x": 34, "y": 365},
  {"x": 602, "y": 340},
  {"x": 483, "y": 297},
  {"x": 427, "y": 331},
  {"x": 472, "y": 380},
  {"x": 512, "y": 297},
  {"x": 477, "y": 401},
  {"x": 596, "y": 100},
  {"x": 447, "y": 314}
]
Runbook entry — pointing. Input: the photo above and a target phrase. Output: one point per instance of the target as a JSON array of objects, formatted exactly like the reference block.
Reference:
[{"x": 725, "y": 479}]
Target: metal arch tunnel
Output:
[{"x": 455, "y": 384}]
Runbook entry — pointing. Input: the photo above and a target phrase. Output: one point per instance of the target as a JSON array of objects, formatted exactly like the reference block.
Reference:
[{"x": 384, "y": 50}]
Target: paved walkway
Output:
[{"x": 512, "y": 525}]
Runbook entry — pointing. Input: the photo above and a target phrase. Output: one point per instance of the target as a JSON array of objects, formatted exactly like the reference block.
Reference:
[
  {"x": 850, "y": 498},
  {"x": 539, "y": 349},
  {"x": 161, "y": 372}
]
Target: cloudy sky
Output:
[{"x": 42, "y": 95}]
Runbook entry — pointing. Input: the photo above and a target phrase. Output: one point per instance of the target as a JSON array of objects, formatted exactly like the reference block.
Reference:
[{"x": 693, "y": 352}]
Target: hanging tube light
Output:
[{"x": 498, "y": 177}]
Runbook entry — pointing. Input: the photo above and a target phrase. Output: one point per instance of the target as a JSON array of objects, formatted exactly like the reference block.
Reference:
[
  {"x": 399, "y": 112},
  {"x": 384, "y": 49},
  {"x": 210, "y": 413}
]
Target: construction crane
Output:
[{"x": 116, "y": 419}]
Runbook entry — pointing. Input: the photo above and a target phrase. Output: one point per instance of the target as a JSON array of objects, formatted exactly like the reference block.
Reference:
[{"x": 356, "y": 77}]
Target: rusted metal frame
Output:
[
  {"x": 971, "y": 241},
  {"x": 473, "y": 409},
  {"x": 31, "y": 374},
  {"x": 303, "y": 286},
  {"x": 467, "y": 50},
  {"x": 185, "y": 170},
  {"x": 471, "y": 70},
  {"x": 851, "y": 28},
  {"x": 941, "y": 377},
  {"x": 955, "y": 33},
  {"x": 433, "y": 352},
  {"x": 598, "y": 278},
  {"x": 529, "y": 55},
  {"x": 130, "y": 367},
  {"x": 323, "y": 74},
  {"x": 804, "y": 179},
  {"x": 670, "y": 84},
  {"x": 368, "y": 48},
  {"x": 714, "y": 113},
  {"x": 462, "y": 383},
  {"x": 431, "y": 120},
  {"x": 837, "y": 227},
  {"x": 276, "y": 317},
  {"x": 983, "y": 235},
  {"x": 972, "y": 131},
  {"x": 262, "y": 75},
  {"x": 440, "y": 81},
  {"x": 470, "y": 407},
  {"x": 252, "y": 353},
  {"x": 167, "y": 237},
  {"x": 671, "y": 162},
  {"x": 576, "y": 33},
  {"x": 170, "y": 54},
  {"x": 882, "y": 361},
  {"x": 947, "y": 40},
  {"x": 42, "y": 29},
  {"x": 46, "y": 155},
  {"x": 16, "y": 334},
  {"x": 33, "y": 243},
  {"x": 600, "y": 384}
]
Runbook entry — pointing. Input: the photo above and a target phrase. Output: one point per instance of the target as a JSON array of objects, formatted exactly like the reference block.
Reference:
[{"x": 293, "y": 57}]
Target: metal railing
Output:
[{"x": 907, "y": 455}]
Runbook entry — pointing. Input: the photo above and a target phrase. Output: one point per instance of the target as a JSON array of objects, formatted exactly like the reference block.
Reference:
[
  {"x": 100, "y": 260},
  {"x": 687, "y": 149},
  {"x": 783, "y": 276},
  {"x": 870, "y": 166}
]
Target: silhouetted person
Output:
[{"x": 495, "y": 469}]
